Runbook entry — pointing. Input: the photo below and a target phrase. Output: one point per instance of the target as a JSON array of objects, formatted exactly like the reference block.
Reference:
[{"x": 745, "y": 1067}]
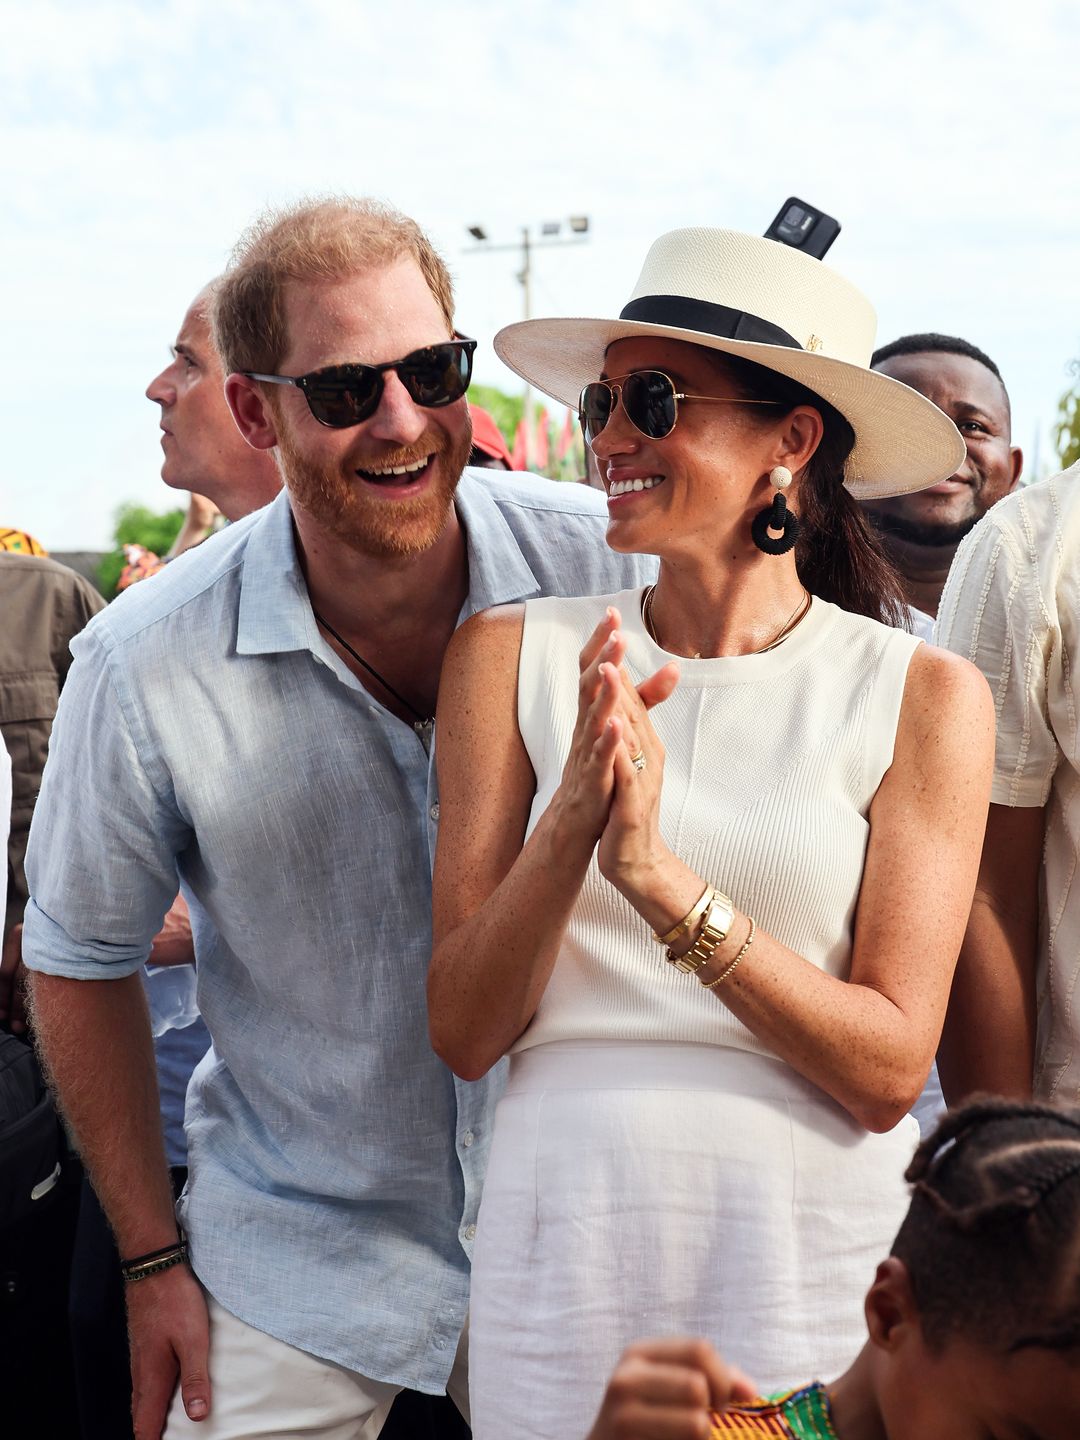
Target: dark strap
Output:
[{"x": 682, "y": 313}]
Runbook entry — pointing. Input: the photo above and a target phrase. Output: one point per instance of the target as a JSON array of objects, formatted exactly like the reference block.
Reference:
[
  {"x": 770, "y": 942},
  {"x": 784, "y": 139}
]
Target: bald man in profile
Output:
[{"x": 921, "y": 531}]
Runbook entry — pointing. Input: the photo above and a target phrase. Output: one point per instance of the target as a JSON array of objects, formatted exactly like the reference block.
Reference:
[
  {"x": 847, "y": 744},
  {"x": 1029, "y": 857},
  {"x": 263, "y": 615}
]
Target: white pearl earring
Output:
[{"x": 780, "y": 477}]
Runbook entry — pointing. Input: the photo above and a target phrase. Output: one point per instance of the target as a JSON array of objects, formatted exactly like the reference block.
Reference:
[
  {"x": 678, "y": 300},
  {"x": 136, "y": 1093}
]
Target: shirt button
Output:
[
  {"x": 467, "y": 1138},
  {"x": 434, "y": 811},
  {"x": 470, "y": 1232}
]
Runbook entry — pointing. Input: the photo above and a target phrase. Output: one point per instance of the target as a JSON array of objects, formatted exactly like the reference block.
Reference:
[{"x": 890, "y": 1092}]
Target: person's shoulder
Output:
[
  {"x": 192, "y": 584},
  {"x": 46, "y": 572},
  {"x": 840, "y": 626},
  {"x": 1032, "y": 515}
]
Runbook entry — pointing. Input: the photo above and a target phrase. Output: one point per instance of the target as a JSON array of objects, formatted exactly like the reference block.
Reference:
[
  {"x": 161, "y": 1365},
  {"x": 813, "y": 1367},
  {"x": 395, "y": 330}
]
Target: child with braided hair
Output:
[{"x": 973, "y": 1320}]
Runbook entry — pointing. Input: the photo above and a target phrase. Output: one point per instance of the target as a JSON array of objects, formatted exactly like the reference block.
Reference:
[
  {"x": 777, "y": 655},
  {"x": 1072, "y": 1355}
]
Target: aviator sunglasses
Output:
[
  {"x": 344, "y": 395},
  {"x": 649, "y": 400}
]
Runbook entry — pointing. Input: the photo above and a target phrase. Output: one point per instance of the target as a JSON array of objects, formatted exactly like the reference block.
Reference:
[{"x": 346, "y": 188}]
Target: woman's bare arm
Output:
[
  {"x": 869, "y": 1040},
  {"x": 499, "y": 909}
]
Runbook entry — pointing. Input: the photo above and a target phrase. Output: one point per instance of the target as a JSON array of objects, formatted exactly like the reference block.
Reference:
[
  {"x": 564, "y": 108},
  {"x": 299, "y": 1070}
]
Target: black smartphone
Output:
[{"x": 803, "y": 227}]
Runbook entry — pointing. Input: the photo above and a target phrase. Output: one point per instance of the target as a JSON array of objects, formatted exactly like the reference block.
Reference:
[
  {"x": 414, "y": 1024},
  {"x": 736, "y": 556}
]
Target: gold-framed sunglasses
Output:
[{"x": 650, "y": 402}]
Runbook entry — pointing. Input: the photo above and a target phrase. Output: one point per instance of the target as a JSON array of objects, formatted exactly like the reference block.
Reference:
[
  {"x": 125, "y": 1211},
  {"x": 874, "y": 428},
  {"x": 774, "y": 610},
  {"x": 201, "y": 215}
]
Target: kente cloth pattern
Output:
[
  {"x": 802, "y": 1414},
  {"x": 18, "y": 542}
]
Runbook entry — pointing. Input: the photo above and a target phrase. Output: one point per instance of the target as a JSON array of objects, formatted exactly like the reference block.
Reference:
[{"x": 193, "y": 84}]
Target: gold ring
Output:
[{"x": 638, "y": 761}]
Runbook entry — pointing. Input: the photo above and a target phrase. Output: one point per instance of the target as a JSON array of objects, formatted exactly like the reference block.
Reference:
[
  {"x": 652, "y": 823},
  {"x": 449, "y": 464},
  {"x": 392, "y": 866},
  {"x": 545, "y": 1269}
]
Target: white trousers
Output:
[{"x": 263, "y": 1388}]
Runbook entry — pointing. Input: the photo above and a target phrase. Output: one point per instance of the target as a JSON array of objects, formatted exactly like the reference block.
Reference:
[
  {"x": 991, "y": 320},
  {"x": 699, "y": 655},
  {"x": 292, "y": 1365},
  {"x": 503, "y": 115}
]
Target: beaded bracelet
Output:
[{"x": 709, "y": 984}]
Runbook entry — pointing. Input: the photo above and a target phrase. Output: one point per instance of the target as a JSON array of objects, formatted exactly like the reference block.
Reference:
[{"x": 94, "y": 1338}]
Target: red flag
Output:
[
  {"x": 541, "y": 444},
  {"x": 519, "y": 454},
  {"x": 566, "y": 436}
]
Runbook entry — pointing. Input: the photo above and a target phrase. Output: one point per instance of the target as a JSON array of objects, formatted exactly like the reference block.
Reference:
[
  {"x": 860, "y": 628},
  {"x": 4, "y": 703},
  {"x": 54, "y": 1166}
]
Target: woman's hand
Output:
[
  {"x": 631, "y": 848},
  {"x": 612, "y": 725},
  {"x": 665, "y": 1389}
]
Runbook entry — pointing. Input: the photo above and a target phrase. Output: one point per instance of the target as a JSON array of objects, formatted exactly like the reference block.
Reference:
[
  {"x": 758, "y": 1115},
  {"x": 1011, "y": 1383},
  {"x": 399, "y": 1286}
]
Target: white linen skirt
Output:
[{"x": 637, "y": 1190}]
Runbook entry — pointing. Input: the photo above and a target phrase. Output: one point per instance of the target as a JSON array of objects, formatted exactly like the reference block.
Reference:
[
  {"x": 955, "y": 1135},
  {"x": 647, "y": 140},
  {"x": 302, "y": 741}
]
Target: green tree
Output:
[
  {"x": 505, "y": 410},
  {"x": 1067, "y": 428},
  {"x": 137, "y": 525},
  {"x": 508, "y": 411}
]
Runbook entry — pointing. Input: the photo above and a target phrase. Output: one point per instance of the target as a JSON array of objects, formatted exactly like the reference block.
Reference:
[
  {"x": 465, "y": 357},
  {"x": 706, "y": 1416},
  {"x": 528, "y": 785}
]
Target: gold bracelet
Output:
[
  {"x": 709, "y": 984},
  {"x": 714, "y": 931},
  {"x": 689, "y": 920}
]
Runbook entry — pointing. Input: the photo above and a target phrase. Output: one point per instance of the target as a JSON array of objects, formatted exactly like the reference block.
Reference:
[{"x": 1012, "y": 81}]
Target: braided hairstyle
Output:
[{"x": 992, "y": 1238}]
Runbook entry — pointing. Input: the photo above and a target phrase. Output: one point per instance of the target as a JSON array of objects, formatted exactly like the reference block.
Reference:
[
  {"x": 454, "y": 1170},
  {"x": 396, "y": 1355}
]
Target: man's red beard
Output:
[{"x": 341, "y": 503}]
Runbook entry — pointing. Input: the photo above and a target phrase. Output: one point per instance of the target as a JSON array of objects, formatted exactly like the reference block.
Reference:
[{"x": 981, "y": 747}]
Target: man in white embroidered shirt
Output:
[
  {"x": 256, "y": 721},
  {"x": 1012, "y": 606}
]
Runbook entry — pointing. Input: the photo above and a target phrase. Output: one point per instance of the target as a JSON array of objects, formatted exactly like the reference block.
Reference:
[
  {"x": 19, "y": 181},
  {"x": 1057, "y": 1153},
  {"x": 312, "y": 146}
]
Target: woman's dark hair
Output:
[
  {"x": 838, "y": 554},
  {"x": 992, "y": 1238}
]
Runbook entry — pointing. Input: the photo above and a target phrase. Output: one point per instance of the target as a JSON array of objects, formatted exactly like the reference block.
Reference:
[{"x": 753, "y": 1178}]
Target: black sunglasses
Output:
[
  {"x": 649, "y": 400},
  {"x": 344, "y": 395}
]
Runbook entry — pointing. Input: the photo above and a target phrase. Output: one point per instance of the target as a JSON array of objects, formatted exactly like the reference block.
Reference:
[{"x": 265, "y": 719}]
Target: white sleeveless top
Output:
[{"x": 772, "y": 762}]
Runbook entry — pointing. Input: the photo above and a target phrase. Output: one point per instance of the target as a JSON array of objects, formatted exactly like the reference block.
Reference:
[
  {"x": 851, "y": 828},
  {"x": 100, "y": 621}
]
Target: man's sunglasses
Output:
[
  {"x": 344, "y": 395},
  {"x": 649, "y": 400}
]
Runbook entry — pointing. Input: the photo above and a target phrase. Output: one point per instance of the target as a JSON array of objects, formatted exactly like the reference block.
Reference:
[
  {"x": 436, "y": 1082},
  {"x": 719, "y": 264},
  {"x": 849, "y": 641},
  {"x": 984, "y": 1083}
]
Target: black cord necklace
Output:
[{"x": 420, "y": 722}]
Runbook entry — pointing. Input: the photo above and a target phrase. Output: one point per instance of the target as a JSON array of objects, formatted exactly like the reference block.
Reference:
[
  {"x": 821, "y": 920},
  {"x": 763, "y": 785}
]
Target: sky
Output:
[{"x": 138, "y": 139}]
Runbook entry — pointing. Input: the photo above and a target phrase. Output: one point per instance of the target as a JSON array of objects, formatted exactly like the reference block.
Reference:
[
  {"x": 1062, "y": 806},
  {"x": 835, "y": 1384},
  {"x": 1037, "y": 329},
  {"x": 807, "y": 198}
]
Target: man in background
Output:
[
  {"x": 921, "y": 531},
  {"x": 44, "y": 605},
  {"x": 205, "y": 454}
]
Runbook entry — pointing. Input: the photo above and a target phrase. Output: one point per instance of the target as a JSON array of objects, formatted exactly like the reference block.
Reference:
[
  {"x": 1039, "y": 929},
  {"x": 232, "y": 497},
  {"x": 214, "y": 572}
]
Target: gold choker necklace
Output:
[{"x": 795, "y": 619}]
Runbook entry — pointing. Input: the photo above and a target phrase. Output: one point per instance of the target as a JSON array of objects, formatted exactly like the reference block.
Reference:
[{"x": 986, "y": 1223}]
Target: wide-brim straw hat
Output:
[{"x": 744, "y": 295}]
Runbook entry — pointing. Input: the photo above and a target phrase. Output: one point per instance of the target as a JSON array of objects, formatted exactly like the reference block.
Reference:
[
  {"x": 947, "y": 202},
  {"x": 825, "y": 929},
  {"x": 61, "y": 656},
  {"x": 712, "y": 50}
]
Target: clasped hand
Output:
[{"x": 607, "y": 798}]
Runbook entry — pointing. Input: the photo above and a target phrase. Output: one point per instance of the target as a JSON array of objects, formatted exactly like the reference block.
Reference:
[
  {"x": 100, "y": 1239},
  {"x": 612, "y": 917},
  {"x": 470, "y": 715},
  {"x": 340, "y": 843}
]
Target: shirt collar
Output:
[
  {"x": 498, "y": 572},
  {"x": 274, "y": 611}
]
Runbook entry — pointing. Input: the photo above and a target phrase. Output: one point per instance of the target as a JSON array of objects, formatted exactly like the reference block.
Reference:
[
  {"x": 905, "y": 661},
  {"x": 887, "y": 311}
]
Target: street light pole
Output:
[
  {"x": 526, "y": 284},
  {"x": 579, "y": 225}
]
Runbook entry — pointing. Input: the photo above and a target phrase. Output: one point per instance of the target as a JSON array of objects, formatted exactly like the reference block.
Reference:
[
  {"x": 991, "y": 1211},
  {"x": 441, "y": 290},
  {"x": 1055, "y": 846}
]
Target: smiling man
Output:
[
  {"x": 258, "y": 720},
  {"x": 921, "y": 531}
]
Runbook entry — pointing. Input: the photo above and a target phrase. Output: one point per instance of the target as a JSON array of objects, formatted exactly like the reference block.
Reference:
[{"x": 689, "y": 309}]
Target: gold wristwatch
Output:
[{"x": 719, "y": 918}]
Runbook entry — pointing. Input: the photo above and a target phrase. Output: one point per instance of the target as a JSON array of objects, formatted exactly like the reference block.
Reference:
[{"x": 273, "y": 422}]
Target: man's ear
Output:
[
  {"x": 890, "y": 1305},
  {"x": 1016, "y": 462},
  {"x": 251, "y": 411}
]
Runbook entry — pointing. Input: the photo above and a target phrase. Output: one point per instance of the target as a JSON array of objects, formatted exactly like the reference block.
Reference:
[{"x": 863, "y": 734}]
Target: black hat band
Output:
[{"x": 679, "y": 312}]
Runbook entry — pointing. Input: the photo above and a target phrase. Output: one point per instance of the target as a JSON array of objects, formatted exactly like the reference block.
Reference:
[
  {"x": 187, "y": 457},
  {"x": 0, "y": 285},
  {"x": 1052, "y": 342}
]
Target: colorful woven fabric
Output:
[
  {"x": 19, "y": 542},
  {"x": 796, "y": 1415}
]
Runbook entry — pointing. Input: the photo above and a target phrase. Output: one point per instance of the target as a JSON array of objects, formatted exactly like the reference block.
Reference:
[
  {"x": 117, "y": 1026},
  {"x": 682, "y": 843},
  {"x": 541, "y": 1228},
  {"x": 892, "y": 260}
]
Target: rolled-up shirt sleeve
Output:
[
  {"x": 994, "y": 613},
  {"x": 101, "y": 862}
]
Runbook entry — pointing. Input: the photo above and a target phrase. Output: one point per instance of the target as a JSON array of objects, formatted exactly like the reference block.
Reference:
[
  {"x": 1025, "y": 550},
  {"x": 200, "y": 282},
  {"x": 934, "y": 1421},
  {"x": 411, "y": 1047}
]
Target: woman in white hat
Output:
[{"x": 707, "y": 851}]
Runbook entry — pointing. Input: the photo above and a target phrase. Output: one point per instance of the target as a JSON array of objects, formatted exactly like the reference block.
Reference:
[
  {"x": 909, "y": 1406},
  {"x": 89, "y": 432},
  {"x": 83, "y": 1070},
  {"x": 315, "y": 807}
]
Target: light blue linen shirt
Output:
[{"x": 207, "y": 731}]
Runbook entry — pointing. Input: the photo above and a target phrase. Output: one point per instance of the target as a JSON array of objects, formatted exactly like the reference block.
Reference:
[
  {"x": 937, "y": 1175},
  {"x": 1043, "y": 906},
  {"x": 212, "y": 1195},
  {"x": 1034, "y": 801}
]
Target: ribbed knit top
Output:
[{"x": 772, "y": 762}]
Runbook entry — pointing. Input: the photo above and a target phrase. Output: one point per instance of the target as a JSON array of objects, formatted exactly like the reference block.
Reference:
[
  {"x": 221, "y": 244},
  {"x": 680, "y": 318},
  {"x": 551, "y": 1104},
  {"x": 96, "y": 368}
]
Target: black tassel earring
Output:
[{"x": 777, "y": 518}]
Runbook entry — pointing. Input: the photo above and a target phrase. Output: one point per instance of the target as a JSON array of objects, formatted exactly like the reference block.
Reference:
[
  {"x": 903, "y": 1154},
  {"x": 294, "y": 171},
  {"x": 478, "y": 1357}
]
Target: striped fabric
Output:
[
  {"x": 19, "y": 542},
  {"x": 1011, "y": 607},
  {"x": 802, "y": 1414}
]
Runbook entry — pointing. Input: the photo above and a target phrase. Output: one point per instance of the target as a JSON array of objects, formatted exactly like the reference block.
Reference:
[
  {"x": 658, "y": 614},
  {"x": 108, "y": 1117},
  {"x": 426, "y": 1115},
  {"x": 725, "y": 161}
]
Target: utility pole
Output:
[{"x": 549, "y": 236}]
